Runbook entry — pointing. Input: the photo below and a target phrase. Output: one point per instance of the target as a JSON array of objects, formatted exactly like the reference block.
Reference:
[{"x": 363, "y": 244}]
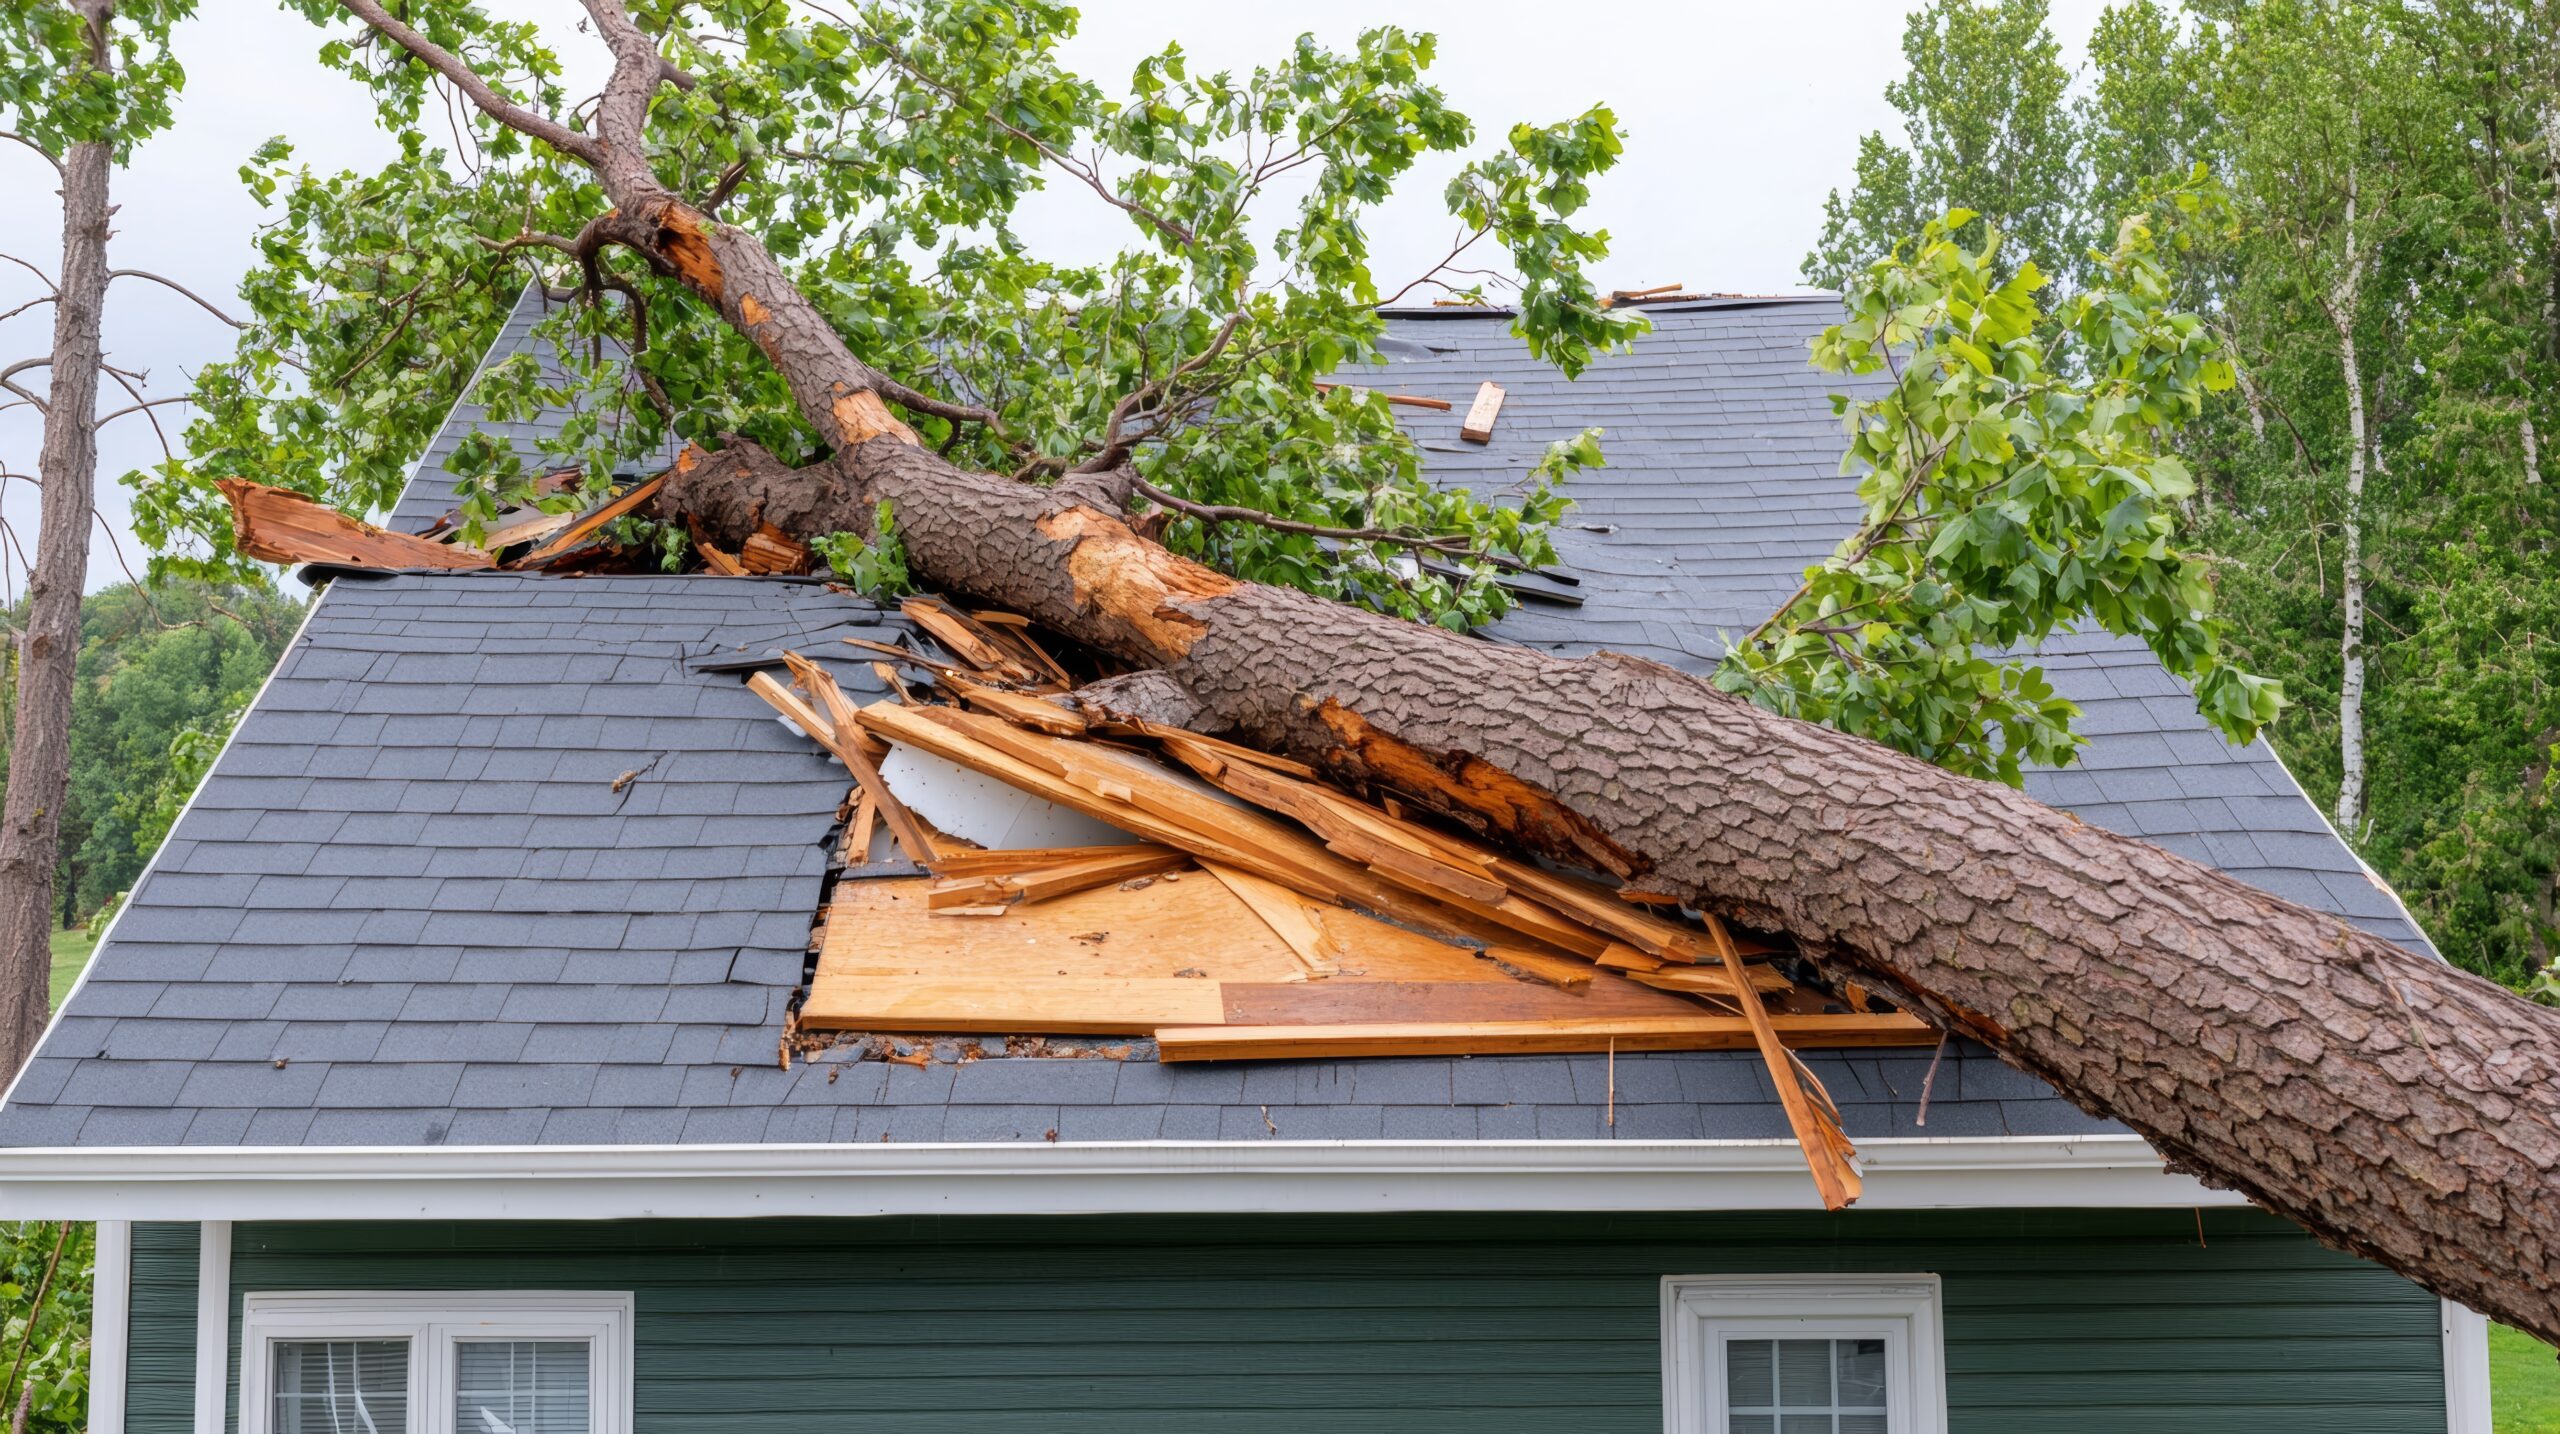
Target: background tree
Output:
[
  {"x": 1987, "y": 127},
  {"x": 80, "y": 83}
]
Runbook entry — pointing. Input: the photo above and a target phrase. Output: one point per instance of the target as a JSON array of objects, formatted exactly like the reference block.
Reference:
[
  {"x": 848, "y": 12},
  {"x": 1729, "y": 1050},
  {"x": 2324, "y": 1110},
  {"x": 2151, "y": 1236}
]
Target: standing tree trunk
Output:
[
  {"x": 2342, "y": 317},
  {"x": 40, "y": 749},
  {"x": 2392, "y": 1104}
]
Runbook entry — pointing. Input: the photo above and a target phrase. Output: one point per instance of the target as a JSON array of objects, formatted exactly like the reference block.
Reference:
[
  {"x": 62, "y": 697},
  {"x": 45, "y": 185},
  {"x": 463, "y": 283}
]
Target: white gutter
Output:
[{"x": 1298, "y": 1177}]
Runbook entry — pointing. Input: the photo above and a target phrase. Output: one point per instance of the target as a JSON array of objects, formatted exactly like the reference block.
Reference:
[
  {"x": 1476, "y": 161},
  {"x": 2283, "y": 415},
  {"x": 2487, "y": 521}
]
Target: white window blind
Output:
[
  {"x": 522, "y": 1386},
  {"x": 436, "y": 1362},
  {"x": 346, "y": 1386}
]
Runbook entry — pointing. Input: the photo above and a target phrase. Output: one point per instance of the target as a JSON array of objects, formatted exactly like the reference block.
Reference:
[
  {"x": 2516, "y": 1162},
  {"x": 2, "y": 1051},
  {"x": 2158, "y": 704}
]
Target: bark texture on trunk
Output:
[
  {"x": 40, "y": 751},
  {"x": 2342, "y": 317},
  {"x": 2393, "y": 1105}
]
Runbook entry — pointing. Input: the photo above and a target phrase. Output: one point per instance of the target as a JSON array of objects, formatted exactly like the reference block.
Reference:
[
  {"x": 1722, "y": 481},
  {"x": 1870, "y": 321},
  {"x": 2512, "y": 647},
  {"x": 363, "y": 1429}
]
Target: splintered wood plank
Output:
[
  {"x": 885, "y": 927},
  {"x": 525, "y": 530},
  {"x": 1285, "y": 912},
  {"x": 1485, "y": 995},
  {"x": 1712, "y": 981},
  {"x": 1817, "y": 1130},
  {"x": 967, "y": 640},
  {"x": 1564, "y": 975},
  {"x": 579, "y": 531},
  {"x": 1020, "y": 708},
  {"x": 858, "y": 830},
  {"x": 770, "y": 550},
  {"x": 1146, "y": 800},
  {"x": 278, "y": 525},
  {"x": 1428, "y": 1038},
  {"x": 1004, "y": 861},
  {"x": 1129, "y": 864},
  {"x": 1014, "y": 631},
  {"x": 1060, "y": 1005},
  {"x": 1209, "y": 755},
  {"x": 839, "y": 732},
  {"x": 1478, "y": 425}
]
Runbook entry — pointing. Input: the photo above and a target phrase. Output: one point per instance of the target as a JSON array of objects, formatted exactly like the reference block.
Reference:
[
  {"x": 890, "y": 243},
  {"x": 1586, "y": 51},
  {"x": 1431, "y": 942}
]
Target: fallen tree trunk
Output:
[{"x": 2394, "y": 1106}]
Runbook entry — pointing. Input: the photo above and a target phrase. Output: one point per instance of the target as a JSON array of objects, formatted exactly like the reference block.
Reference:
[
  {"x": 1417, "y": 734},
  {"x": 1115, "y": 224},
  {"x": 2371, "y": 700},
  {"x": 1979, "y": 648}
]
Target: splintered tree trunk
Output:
[
  {"x": 2393, "y": 1105},
  {"x": 40, "y": 751}
]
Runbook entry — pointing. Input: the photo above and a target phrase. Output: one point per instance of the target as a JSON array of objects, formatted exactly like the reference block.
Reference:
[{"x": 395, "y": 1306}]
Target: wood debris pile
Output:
[{"x": 1251, "y": 911}]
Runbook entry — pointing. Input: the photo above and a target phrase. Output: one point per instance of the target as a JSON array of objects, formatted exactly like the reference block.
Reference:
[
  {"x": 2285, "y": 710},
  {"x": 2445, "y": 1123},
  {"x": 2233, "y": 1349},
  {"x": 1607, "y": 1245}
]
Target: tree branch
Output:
[
  {"x": 201, "y": 302},
  {"x": 498, "y": 107},
  {"x": 1451, "y": 545},
  {"x": 49, "y": 285},
  {"x": 41, "y": 151}
]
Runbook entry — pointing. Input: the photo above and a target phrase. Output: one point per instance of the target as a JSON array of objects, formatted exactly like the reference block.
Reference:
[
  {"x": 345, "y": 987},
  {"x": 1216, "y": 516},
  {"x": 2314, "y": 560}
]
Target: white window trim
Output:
[
  {"x": 434, "y": 1321},
  {"x": 1700, "y": 1311}
]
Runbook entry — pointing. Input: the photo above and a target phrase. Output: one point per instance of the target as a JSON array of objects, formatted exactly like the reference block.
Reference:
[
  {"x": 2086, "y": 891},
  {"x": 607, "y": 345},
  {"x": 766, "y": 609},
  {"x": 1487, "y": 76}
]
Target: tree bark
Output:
[
  {"x": 66, "y": 465},
  {"x": 2342, "y": 317},
  {"x": 2391, "y": 1104}
]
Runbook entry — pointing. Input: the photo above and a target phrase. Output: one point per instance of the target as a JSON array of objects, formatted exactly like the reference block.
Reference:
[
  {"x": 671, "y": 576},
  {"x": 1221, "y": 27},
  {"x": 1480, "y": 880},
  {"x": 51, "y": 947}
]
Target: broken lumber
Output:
[
  {"x": 1404, "y": 400},
  {"x": 1494, "y": 1038},
  {"x": 278, "y": 525},
  {"x": 579, "y": 531},
  {"x": 848, "y": 747},
  {"x": 1478, "y": 427},
  {"x": 1817, "y": 1128}
]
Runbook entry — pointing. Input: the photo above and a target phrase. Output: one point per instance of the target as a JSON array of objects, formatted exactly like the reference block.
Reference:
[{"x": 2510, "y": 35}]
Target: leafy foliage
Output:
[
  {"x": 881, "y": 154},
  {"x": 875, "y": 567},
  {"x": 2016, "y": 484},
  {"x": 1986, "y": 128},
  {"x": 161, "y": 677},
  {"x": 52, "y": 94},
  {"x": 53, "y": 1335}
]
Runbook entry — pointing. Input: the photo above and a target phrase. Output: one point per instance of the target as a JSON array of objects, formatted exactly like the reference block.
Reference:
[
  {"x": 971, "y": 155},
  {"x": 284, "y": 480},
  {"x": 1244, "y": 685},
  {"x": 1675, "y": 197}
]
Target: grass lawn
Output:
[
  {"x": 70, "y": 952},
  {"x": 2524, "y": 1383}
]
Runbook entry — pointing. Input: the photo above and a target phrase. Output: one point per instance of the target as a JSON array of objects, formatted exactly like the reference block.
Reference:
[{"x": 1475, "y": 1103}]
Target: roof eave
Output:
[{"x": 1263, "y": 1177}]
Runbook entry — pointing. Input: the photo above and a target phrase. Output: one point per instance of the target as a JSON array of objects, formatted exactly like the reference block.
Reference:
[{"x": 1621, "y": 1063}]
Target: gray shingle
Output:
[{"x": 410, "y": 874}]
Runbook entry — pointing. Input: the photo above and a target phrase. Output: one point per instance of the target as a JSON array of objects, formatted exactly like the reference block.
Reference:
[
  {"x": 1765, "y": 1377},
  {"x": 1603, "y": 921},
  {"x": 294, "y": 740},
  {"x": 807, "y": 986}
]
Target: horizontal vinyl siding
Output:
[
  {"x": 160, "y": 1363},
  {"x": 2092, "y": 1321}
]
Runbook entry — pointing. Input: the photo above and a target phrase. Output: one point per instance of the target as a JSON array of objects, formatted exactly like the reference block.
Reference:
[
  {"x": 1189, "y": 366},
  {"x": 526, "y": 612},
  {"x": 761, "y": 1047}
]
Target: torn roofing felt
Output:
[{"x": 409, "y": 908}]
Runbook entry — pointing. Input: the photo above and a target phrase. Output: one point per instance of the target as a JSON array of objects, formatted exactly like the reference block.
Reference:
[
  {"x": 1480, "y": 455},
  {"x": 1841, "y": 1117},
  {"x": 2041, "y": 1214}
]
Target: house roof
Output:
[{"x": 417, "y": 902}]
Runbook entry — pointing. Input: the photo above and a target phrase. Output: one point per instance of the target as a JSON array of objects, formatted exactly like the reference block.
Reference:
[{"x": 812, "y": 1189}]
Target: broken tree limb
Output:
[
  {"x": 2392, "y": 1105},
  {"x": 278, "y": 525}
]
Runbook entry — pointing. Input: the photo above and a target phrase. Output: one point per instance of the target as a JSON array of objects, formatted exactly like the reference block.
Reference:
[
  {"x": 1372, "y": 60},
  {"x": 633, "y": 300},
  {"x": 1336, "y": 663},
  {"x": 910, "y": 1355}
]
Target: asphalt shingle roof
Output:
[{"x": 409, "y": 906}]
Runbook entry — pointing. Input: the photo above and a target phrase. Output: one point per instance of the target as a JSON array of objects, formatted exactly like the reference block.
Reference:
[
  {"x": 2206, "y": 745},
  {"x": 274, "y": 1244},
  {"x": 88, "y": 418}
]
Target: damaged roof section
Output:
[
  {"x": 1316, "y": 922},
  {"x": 411, "y": 908}
]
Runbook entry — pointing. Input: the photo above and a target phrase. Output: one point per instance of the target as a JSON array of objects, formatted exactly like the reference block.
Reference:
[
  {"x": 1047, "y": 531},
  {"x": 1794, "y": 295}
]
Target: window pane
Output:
[
  {"x": 1804, "y": 1424},
  {"x": 342, "y": 1386},
  {"x": 1861, "y": 1373},
  {"x": 1754, "y": 1424},
  {"x": 1804, "y": 1374},
  {"x": 1861, "y": 1424},
  {"x": 1746, "y": 1374},
  {"x": 521, "y": 1387}
]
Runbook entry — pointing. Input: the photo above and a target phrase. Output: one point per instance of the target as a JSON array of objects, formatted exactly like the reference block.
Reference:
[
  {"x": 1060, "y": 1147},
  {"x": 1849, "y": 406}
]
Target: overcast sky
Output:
[{"x": 1741, "y": 115}]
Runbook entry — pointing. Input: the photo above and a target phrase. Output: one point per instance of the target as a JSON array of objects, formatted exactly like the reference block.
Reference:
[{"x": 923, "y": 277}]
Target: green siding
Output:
[
  {"x": 160, "y": 1363},
  {"x": 2094, "y": 1321}
]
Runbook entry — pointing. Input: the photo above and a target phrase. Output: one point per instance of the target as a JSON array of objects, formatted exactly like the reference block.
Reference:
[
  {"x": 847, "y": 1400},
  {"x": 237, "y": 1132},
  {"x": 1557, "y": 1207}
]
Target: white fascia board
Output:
[{"x": 1293, "y": 1177}]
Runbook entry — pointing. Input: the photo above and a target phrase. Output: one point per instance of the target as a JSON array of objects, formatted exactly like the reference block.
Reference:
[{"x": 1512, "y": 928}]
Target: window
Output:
[
  {"x": 443, "y": 1362},
  {"x": 1807, "y": 1354}
]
